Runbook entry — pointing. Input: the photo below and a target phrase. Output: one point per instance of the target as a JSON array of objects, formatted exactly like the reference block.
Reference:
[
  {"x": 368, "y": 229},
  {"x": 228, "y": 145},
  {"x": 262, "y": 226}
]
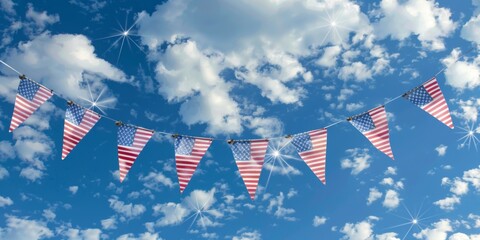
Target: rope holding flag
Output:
[
  {"x": 78, "y": 122},
  {"x": 374, "y": 126},
  {"x": 429, "y": 97},
  {"x": 249, "y": 156},
  {"x": 312, "y": 148},
  {"x": 30, "y": 96},
  {"x": 131, "y": 141},
  {"x": 188, "y": 153}
]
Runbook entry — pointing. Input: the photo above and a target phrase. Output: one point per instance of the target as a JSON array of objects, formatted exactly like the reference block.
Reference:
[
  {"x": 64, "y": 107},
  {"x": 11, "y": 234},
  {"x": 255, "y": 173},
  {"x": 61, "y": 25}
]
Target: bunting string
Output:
[{"x": 248, "y": 154}]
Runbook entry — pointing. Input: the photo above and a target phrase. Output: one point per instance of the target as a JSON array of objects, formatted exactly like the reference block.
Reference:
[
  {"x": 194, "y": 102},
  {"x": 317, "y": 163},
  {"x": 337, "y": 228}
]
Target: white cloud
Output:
[
  {"x": 357, "y": 71},
  {"x": 469, "y": 109},
  {"x": 373, "y": 195},
  {"x": 391, "y": 171},
  {"x": 459, "y": 187},
  {"x": 175, "y": 213},
  {"x": 329, "y": 57},
  {"x": 264, "y": 56},
  {"x": 7, "y": 6},
  {"x": 358, "y": 161},
  {"x": 352, "y": 107},
  {"x": 471, "y": 30},
  {"x": 31, "y": 173},
  {"x": 400, "y": 20},
  {"x": 461, "y": 75},
  {"x": 472, "y": 176},
  {"x": 41, "y": 19},
  {"x": 75, "y": 61},
  {"x": 49, "y": 214},
  {"x": 248, "y": 235},
  {"x": 24, "y": 229},
  {"x": 73, "y": 189},
  {"x": 439, "y": 231},
  {"x": 358, "y": 231},
  {"x": 5, "y": 201},
  {"x": 143, "y": 236},
  {"x": 82, "y": 234},
  {"x": 109, "y": 223},
  {"x": 126, "y": 210},
  {"x": 392, "y": 200},
  {"x": 3, "y": 173},
  {"x": 441, "y": 150},
  {"x": 264, "y": 127},
  {"x": 6, "y": 150},
  {"x": 476, "y": 218},
  {"x": 448, "y": 203},
  {"x": 387, "y": 181},
  {"x": 155, "y": 180},
  {"x": 317, "y": 221},
  {"x": 275, "y": 207}
]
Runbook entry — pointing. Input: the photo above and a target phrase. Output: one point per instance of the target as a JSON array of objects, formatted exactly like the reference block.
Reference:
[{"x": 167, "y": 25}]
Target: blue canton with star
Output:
[
  {"x": 74, "y": 114},
  {"x": 28, "y": 89},
  {"x": 126, "y": 134},
  {"x": 184, "y": 145},
  {"x": 363, "y": 122},
  {"x": 241, "y": 151},
  {"x": 419, "y": 97},
  {"x": 302, "y": 142}
]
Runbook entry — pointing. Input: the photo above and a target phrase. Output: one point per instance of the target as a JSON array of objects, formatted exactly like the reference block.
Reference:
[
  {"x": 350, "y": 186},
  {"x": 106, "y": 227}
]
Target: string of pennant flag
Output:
[{"x": 248, "y": 154}]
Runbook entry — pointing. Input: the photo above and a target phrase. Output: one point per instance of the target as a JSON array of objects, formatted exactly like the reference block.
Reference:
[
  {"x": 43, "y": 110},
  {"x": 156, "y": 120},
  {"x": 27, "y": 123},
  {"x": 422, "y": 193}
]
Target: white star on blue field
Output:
[{"x": 242, "y": 70}]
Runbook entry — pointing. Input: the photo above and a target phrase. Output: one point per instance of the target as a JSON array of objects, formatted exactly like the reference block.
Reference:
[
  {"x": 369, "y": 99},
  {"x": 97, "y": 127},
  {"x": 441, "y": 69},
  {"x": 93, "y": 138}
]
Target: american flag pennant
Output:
[
  {"x": 312, "y": 148},
  {"x": 249, "y": 156},
  {"x": 30, "y": 96},
  {"x": 374, "y": 125},
  {"x": 188, "y": 153},
  {"x": 78, "y": 122},
  {"x": 131, "y": 141},
  {"x": 429, "y": 97}
]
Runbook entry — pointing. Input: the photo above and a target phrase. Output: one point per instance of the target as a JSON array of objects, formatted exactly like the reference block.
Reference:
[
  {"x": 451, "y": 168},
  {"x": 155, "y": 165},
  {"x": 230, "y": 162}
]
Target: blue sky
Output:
[{"x": 243, "y": 69}]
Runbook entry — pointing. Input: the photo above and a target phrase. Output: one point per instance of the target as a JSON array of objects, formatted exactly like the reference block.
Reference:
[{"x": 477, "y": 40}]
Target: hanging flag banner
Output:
[
  {"x": 131, "y": 141},
  {"x": 78, "y": 122},
  {"x": 249, "y": 156},
  {"x": 429, "y": 97},
  {"x": 30, "y": 96},
  {"x": 188, "y": 153},
  {"x": 312, "y": 148},
  {"x": 374, "y": 126}
]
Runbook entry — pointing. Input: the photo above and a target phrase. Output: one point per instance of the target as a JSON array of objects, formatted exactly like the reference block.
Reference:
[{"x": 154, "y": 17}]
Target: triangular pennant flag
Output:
[
  {"x": 78, "y": 122},
  {"x": 188, "y": 153},
  {"x": 374, "y": 125},
  {"x": 131, "y": 141},
  {"x": 249, "y": 156},
  {"x": 429, "y": 97},
  {"x": 312, "y": 148},
  {"x": 30, "y": 96}
]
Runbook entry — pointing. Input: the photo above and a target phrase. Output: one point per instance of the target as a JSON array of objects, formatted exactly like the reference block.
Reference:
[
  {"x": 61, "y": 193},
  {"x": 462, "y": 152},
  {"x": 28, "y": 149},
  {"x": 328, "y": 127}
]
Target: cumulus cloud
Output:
[
  {"x": 174, "y": 213},
  {"x": 7, "y": 6},
  {"x": 392, "y": 199},
  {"x": 247, "y": 235},
  {"x": 142, "y": 236},
  {"x": 82, "y": 234},
  {"x": 463, "y": 74},
  {"x": 441, "y": 150},
  {"x": 24, "y": 229},
  {"x": 127, "y": 211},
  {"x": 318, "y": 221},
  {"x": 399, "y": 20},
  {"x": 373, "y": 195},
  {"x": 194, "y": 53},
  {"x": 155, "y": 180},
  {"x": 41, "y": 19},
  {"x": 73, "y": 189},
  {"x": 439, "y": 230},
  {"x": 448, "y": 203},
  {"x": 471, "y": 30},
  {"x": 276, "y": 208},
  {"x": 5, "y": 201},
  {"x": 358, "y": 161},
  {"x": 109, "y": 223},
  {"x": 75, "y": 65}
]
